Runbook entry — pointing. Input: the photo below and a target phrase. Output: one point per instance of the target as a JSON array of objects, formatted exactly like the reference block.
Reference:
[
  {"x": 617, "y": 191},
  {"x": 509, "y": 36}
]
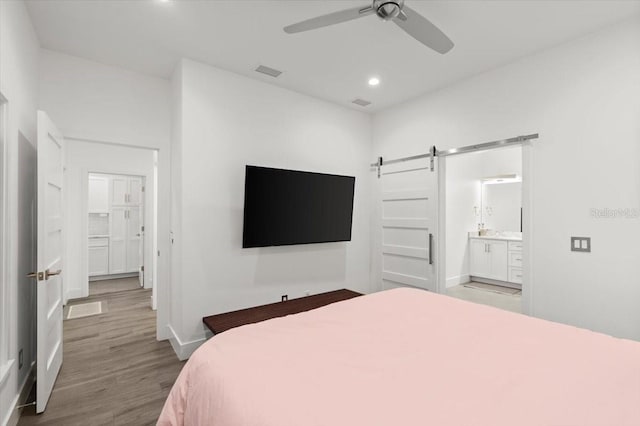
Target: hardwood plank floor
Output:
[
  {"x": 112, "y": 286},
  {"x": 114, "y": 371}
]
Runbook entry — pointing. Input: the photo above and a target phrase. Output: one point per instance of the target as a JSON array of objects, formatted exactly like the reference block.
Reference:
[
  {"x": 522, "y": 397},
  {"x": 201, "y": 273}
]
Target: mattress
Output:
[{"x": 408, "y": 357}]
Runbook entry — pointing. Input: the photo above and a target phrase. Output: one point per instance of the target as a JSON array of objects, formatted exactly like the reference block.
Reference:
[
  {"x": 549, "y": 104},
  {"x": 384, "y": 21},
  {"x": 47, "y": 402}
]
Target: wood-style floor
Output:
[
  {"x": 113, "y": 286},
  {"x": 114, "y": 371}
]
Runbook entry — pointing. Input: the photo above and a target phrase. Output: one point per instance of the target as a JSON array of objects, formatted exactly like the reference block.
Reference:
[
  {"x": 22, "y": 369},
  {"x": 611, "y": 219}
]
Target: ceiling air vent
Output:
[
  {"x": 268, "y": 71},
  {"x": 361, "y": 102}
]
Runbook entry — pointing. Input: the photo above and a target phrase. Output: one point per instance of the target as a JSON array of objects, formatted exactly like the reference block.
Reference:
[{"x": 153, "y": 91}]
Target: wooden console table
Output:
[{"x": 222, "y": 322}]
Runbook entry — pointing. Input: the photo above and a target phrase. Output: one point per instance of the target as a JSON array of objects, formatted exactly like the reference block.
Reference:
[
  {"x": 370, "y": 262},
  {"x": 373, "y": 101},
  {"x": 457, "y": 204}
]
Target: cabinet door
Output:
[
  {"x": 98, "y": 260},
  {"x": 134, "y": 239},
  {"x": 498, "y": 260},
  {"x": 98, "y": 194},
  {"x": 119, "y": 190},
  {"x": 118, "y": 248},
  {"x": 479, "y": 265},
  {"x": 135, "y": 191}
]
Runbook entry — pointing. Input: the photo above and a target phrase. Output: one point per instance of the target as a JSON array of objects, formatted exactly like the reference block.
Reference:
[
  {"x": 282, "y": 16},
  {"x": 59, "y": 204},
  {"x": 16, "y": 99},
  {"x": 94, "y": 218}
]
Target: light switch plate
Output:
[{"x": 582, "y": 244}]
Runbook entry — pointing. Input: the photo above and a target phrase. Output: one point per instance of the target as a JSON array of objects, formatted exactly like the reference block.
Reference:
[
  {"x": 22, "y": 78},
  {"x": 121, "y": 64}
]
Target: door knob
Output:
[
  {"x": 48, "y": 274},
  {"x": 37, "y": 275}
]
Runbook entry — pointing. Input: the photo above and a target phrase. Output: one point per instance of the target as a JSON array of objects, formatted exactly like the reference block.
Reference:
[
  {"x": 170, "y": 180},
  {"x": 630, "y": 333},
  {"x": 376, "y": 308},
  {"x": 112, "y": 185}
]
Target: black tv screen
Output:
[{"x": 286, "y": 207}]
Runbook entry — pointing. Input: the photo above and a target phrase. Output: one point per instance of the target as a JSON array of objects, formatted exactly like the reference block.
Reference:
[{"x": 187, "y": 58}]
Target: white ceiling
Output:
[{"x": 332, "y": 63}]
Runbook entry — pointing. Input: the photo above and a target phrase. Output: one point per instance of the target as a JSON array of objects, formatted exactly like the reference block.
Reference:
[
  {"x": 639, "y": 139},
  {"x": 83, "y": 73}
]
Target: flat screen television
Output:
[{"x": 287, "y": 207}]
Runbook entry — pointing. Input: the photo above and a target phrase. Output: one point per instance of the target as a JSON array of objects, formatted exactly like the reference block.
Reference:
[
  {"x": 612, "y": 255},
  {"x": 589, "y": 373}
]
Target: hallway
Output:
[{"x": 114, "y": 371}]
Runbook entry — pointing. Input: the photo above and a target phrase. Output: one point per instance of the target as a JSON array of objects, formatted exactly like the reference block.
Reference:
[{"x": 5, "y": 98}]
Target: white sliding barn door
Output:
[
  {"x": 50, "y": 249},
  {"x": 408, "y": 195}
]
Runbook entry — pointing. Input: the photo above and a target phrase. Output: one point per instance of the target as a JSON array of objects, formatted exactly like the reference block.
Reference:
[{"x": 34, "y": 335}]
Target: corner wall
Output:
[
  {"x": 229, "y": 121},
  {"x": 584, "y": 99}
]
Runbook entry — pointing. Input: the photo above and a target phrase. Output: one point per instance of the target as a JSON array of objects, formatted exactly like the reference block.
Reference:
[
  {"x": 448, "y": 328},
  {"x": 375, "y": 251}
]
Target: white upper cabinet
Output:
[
  {"x": 119, "y": 190},
  {"x": 98, "y": 194},
  {"x": 126, "y": 191},
  {"x": 135, "y": 191}
]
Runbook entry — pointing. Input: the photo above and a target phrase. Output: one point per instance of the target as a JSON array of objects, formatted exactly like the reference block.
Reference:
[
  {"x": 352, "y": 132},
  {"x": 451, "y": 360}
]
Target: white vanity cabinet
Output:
[
  {"x": 515, "y": 262},
  {"x": 488, "y": 259}
]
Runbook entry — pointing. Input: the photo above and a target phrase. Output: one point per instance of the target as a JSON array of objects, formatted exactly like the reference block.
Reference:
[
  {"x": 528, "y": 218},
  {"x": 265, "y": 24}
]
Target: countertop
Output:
[{"x": 495, "y": 237}]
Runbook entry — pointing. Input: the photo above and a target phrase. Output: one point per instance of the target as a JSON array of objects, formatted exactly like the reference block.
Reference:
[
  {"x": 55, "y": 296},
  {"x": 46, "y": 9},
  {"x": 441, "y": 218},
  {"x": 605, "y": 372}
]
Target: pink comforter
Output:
[{"x": 408, "y": 357}]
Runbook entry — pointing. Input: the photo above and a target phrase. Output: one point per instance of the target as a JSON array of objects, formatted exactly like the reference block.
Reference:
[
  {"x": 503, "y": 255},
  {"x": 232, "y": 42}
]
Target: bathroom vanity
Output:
[{"x": 496, "y": 258}]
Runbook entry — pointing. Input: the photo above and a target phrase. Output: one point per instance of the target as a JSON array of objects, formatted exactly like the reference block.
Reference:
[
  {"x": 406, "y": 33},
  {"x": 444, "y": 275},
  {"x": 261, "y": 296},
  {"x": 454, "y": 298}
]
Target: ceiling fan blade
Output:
[
  {"x": 420, "y": 28},
  {"x": 330, "y": 19}
]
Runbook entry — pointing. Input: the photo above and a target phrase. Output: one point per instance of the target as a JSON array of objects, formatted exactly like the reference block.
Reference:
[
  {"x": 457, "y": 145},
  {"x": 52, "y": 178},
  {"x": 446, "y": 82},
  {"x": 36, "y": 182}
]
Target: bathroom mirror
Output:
[{"x": 501, "y": 203}]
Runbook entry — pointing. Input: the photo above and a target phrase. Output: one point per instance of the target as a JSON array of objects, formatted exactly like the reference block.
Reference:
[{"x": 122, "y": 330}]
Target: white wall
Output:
[
  {"x": 95, "y": 102},
  {"x": 87, "y": 157},
  {"x": 463, "y": 175},
  {"x": 19, "y": 48},
  {"x": 229, "y": 121},
  {"x": 584, "y": 100}
]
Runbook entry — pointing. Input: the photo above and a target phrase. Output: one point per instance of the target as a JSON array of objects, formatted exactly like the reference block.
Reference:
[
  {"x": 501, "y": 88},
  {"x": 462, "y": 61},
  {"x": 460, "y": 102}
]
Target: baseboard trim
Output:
[
  {"x": 75, "y": 293},
  {"x": 14, "y": 415},
  {"x": 113, "y": 277},
  {"x": 457, "y": 280},
  {"x": 497, "y": 282},
  {"x": 182, "y": 349}
]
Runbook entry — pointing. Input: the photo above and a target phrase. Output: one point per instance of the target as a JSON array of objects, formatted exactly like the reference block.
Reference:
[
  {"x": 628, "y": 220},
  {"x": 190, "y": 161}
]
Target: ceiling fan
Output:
[{"x": 414, "y": 24}]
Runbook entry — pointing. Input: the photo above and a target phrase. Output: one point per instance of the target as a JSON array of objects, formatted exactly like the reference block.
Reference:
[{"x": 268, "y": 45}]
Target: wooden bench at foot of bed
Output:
[{"x": 223, "y": 322}]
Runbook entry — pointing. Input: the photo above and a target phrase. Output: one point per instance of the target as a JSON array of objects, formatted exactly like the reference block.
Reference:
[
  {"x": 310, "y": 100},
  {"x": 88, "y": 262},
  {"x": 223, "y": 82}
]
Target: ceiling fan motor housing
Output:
[{"x": 388, "y": 9}]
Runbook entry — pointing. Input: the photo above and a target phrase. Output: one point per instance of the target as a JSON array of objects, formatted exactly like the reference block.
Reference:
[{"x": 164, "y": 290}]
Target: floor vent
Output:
[
  {"x": 84, "y": 310},
  {"x": 268, "y": 71},
  {"x": 361, "y": 102}
]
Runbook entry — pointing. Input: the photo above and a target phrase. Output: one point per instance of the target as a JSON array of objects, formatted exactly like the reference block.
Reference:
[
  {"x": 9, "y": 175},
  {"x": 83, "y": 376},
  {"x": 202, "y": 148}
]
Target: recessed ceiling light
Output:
[{"x": 374, "y": 81}]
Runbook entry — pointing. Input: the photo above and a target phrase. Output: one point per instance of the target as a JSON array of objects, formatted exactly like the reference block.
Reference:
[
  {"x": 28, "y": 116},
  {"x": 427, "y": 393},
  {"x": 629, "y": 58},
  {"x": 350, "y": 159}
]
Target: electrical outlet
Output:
[
  {"x": 582, "y": 244},
  {"x": 20, "y": 359},
  {"x": 285, "y": 297}
]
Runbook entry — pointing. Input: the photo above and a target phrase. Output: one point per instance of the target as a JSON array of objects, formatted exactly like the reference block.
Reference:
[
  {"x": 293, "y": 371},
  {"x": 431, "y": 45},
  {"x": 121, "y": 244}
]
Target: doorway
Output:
[
  {"x": 116, "y": 226},
  {"x": 482, "y": 225}
]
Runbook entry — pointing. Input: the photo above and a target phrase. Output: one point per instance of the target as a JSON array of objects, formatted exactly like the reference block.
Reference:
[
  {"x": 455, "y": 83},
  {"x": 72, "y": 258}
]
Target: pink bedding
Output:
[{"x": 408, "y": 357}]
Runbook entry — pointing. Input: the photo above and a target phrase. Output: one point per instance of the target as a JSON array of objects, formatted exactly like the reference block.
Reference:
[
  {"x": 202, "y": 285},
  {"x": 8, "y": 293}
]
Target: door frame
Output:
[
  {"x": 149, "y": 199},
  {"x": 527, "y": 226},
  {"x": 6, "y": 361}
]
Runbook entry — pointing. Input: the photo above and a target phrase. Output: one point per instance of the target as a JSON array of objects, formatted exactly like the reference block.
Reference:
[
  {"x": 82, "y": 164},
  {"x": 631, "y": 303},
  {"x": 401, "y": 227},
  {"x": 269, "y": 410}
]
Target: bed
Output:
[{"x": 408, "y": 357}]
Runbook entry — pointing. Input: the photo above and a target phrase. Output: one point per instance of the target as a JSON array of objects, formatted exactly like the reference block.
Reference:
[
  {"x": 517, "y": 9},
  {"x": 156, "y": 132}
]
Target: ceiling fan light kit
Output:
[
  {"x": 388, "y": 9},
  {"x": 414, "y": 24}
]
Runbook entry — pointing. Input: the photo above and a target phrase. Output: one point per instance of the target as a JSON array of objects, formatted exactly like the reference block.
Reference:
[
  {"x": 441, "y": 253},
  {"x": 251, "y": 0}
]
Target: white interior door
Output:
[
  {"x": 50, "y": 249},
  {"x": 409, "y": 197}
]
